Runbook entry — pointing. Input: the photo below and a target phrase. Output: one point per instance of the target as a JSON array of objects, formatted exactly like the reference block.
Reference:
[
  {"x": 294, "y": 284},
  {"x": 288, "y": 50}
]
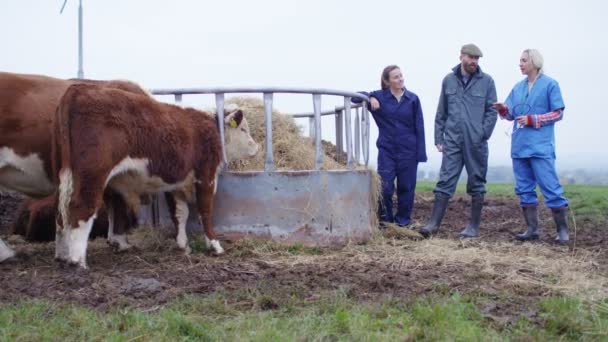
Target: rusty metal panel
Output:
[{"x": 319, "y": 208}]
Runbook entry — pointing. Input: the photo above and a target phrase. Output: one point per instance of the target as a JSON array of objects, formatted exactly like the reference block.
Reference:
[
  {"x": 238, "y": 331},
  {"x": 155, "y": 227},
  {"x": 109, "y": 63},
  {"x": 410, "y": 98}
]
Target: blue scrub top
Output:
[{"x": 544, "y": 97}]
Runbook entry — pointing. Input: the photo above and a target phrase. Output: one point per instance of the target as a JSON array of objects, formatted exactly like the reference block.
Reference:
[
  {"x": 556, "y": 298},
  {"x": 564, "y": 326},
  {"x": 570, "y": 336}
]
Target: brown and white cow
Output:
[
  {"x": 27, "y": 111},
  {"x": 111, "y": 139}
]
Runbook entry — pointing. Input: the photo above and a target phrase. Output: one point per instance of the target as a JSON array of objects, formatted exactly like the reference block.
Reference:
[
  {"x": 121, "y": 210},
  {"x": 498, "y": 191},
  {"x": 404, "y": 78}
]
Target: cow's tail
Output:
[{"x": 61, "y": 150}]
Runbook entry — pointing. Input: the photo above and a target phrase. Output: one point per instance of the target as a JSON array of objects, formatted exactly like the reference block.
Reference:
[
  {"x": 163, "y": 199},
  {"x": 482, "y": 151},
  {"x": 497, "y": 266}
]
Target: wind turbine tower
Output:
[{"x": 80, "y": 69}]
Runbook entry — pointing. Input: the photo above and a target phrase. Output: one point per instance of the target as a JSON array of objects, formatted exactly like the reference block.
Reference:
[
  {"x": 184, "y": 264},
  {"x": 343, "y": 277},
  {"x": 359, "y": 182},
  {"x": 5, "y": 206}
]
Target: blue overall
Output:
[
  {"x": 533, "y": 149},
  {"x": 401, "y": 147}
]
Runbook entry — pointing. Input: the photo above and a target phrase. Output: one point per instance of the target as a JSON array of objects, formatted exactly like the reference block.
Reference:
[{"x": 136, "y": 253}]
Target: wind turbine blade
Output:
[{"x": 63, "y": 6}]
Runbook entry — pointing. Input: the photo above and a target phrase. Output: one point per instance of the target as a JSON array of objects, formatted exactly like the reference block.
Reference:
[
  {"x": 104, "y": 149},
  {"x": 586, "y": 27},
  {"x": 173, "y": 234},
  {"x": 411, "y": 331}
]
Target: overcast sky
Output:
[{"x": 328, "y": 44}]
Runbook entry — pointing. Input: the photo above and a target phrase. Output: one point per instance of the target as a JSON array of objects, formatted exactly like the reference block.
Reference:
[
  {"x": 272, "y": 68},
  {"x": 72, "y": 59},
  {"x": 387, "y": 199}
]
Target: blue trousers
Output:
[
  {"x": 405, "y": 171},
  {"x": 530, "y": 172}
]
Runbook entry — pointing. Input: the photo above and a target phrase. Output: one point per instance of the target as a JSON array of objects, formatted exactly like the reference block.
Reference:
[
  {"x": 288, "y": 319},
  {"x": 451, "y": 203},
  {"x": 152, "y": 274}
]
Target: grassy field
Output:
[
  {"x": 434, "y": 317},
  {"x": 441, "y": 314}
]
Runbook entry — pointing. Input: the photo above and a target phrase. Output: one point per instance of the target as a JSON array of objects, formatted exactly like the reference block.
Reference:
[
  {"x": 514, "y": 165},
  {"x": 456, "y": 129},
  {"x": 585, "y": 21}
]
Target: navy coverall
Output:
[{"x": 400, "y": 148}]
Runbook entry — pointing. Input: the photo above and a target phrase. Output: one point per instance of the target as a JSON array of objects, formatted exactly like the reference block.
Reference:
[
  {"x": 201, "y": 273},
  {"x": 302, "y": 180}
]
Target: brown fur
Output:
[
  {"x": 97, "y": 127},
  {"x": 27, "y": 110}
]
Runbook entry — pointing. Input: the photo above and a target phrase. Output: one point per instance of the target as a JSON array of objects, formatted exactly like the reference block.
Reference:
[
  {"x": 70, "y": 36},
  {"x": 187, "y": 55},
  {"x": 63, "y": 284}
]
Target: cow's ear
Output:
[
  {"x": 238, "y": 116},
  {"x": 234, "y": 119}
]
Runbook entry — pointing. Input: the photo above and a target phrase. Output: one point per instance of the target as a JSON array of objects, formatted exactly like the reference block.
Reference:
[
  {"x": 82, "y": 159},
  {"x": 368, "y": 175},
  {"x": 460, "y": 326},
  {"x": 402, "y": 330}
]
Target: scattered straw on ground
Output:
[{"x": 502, "y": 265}]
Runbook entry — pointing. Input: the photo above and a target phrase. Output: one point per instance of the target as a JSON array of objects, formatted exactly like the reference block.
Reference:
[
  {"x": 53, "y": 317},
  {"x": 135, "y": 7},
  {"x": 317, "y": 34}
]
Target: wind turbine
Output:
[{"x": 80, "y": 71}]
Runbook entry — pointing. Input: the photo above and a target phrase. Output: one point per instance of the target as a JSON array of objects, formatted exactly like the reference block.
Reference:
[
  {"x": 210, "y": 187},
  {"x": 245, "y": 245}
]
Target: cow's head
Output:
[{"x": 239, "y": 143}]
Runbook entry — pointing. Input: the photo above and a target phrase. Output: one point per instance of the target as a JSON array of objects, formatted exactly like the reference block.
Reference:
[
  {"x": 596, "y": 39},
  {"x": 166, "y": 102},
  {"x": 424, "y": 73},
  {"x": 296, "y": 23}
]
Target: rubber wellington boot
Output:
[
  {"x": 439, "y": 207},
  {"x": 531, "y": 216},
  {"x": 560, "y": 216},
  {"x": 472, "y": 229}
]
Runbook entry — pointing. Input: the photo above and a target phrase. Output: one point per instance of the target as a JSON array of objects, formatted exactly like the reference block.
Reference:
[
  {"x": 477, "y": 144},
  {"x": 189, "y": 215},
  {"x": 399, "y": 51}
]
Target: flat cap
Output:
[{"x": 471, "y": 50}]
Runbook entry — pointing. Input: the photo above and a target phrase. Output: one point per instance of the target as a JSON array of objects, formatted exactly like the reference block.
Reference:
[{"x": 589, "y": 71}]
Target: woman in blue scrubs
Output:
[
  {"x": 398, "y": 114},
  {"x": 534, "y": 105}
]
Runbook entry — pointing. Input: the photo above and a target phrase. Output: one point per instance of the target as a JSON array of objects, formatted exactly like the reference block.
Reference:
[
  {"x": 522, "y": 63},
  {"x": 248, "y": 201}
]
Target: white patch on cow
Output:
[
  {"x": 78, "y": 239},
  {"x": 24, "y": 174},
  {"x": 117, "y": 240},
  {"x": 131, "y": 176},
  {"x": 181, "y": 214},
  {"x": 215, "y": 179},
  {"x": 5, "y": 251},
  {"x": 66, "y": 188},
  {"x": 62, "y": 251},
  {"x": 137, "y": 165},
  {"x": 215, "y": 244},
  {"x": 212, "y": 244}
]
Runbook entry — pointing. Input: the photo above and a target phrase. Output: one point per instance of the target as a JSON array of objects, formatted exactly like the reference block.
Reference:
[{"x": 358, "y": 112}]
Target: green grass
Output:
[
  {"x": 588, "y": 202},
  {"x": 495, "y": 189},
  {"x": 452, "y": 318}
]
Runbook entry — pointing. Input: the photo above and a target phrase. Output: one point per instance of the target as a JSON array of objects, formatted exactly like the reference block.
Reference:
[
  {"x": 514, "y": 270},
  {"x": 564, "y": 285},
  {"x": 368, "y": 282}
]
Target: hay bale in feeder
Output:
[{"x": 291, "y": 150}]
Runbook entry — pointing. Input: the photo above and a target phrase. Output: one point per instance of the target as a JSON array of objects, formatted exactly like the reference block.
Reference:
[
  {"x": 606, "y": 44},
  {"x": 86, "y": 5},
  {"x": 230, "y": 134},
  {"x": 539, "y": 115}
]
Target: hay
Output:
[
  {"x": 522, "y": 264},
  {"x": 508, "y": 265},
  {"x": 393, "y": 231},
  {"x": 291, "y": 150}
]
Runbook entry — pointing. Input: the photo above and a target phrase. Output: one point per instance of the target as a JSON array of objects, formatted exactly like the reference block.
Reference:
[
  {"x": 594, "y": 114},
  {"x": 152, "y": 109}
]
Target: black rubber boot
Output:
[
  {"x": 472, "y": 229},
  {"x": 560, "y": 216},
  {"x": 439, "y": 207},
  {"x": 531, "y": 216}
]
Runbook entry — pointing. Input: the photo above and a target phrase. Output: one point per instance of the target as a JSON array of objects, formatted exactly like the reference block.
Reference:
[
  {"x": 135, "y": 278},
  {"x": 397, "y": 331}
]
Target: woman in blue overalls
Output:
[
  {"x": 535, "y": 104},
  {"x": 400, "y": 143}
]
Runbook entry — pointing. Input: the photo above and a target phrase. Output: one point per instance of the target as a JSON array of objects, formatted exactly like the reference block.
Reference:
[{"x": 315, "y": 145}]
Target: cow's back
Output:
[
  {"x": 27, "y": 105},
  {"x": 125, "y": 124}
]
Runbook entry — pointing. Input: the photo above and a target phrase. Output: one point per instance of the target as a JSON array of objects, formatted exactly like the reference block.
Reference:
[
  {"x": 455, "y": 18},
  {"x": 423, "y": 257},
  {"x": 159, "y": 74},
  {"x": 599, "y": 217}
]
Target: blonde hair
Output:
[{"x": 536, "y": 59}]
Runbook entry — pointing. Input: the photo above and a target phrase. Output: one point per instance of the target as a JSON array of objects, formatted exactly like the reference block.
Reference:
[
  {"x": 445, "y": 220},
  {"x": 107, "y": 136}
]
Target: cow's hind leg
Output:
[
  {"x": 117, "y": 221},
  {"x": 180, "y": 218},
  {"x": 5, "y": 251},
  {"x": 204, "y": 198},
  {"x": 61, "y": 243},
  {"x": 78, "y": 208}
]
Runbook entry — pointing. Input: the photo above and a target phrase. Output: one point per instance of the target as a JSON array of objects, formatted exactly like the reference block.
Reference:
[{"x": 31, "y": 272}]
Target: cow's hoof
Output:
[
  {"x": 216, "y": 247},
  {"x": 187, "y": 250},
  {"x": 7, "y": 255},
  {"x": 119, "y": 243},
  {"x": 78, "y": 263},
  {"x": 61, "y": 257},
  {"x": 5, "y": 251},
  {"x": 123, "y": 248}
]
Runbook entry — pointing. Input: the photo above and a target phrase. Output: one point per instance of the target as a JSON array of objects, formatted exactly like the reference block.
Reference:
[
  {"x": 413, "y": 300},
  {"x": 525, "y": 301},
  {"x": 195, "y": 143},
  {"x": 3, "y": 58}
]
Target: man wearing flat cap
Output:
[{"x": 464, "y": 122}]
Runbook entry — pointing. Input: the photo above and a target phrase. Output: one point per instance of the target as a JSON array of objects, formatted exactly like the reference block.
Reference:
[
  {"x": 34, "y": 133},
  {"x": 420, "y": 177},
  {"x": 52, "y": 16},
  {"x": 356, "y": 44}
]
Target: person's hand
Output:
[
  {"x": 374, "y": 103},
  {"x": 524, "y": 120},
  {"x": 439, "y": 147},
  {"x": 501, "y": 108}
]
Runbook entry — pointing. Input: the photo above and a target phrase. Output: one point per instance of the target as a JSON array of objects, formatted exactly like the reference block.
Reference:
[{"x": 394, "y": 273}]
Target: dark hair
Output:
[{"x": 385, "y": 74}]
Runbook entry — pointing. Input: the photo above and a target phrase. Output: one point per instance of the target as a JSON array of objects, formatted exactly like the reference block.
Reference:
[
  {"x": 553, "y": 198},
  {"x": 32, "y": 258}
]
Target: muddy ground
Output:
[{"x": 156, "y": 272}]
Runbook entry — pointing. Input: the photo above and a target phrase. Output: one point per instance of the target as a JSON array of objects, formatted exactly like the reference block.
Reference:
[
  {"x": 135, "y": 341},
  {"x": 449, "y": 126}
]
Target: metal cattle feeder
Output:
[{"x": 313, "y": 207}]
